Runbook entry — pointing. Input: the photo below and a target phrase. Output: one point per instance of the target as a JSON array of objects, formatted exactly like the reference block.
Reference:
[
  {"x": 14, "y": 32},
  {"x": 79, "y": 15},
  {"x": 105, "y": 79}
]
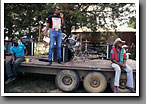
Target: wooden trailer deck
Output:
[{"x": 96, "y": 64}]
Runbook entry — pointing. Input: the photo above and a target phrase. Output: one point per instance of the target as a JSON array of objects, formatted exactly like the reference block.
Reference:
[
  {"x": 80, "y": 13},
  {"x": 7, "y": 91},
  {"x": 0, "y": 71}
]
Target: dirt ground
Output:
[{"x": 38, "y": 83}]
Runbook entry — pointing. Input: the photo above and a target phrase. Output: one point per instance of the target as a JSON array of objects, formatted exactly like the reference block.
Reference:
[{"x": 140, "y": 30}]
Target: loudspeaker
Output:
[{"x": 66, "y": 53}]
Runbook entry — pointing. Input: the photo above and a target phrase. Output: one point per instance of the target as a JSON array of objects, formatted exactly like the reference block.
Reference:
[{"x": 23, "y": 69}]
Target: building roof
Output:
[{"x": 121, "y": 29}]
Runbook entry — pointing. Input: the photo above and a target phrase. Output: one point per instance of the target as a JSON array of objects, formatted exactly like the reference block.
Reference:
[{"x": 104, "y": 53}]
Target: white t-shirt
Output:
[{"x": 56, "y": 23}]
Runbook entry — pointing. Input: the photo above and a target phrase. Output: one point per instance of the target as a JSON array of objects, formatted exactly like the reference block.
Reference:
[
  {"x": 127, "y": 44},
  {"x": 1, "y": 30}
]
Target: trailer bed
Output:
[{"x": 97, "y": 64}]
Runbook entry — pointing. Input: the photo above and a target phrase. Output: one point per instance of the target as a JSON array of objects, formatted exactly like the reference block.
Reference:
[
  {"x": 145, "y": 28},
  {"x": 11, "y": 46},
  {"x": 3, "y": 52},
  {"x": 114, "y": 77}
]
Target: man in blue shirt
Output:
[{"x": 18, "y": 52}]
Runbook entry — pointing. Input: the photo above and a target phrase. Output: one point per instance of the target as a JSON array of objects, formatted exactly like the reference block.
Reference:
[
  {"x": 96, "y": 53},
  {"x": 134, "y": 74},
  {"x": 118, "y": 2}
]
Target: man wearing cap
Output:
[
  {"x": 54, "y": 24},
  {"x": 118, "y": 58}
]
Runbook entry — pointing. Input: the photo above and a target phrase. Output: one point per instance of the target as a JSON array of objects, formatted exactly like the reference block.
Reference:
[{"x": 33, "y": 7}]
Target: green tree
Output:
[
  {"x": 23, "y": 19},
  {"x": 20, "y": 19},
  {"x": 132, "y": 22}
]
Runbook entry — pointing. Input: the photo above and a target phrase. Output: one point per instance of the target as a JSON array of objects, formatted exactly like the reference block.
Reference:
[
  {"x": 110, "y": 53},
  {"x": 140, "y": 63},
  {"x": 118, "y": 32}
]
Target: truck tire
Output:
[
  {"x": 67, "y": 80},
  {"x": 95, "y": 82},
  {"x": 122, "y": 83}
]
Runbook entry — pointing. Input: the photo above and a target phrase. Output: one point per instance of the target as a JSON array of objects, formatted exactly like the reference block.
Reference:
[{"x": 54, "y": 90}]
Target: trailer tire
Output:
[
  {"x": 95, "y": 82},
  {"x": 122, "y": 83},
  {"x": 67, "y": 80}
]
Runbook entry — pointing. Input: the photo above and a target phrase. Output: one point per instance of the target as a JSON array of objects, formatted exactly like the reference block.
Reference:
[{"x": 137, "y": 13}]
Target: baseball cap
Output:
[{"x": 56, "y": 7}]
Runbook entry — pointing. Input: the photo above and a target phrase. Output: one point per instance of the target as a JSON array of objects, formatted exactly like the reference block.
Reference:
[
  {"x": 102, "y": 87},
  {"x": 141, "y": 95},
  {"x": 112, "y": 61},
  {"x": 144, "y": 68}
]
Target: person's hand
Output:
[
  {"x": 123, "y": 65},
  {"x": 61, "y": 15},
  {"x": 13, "y": 61},
  {"x": 46, "y": 35}
]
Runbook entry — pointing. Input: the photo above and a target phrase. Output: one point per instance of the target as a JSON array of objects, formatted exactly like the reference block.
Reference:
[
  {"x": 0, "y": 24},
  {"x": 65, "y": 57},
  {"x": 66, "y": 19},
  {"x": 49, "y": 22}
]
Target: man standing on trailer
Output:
[
  {"x": 55, "y": 22},
  {"x": 118, "y": 58}
]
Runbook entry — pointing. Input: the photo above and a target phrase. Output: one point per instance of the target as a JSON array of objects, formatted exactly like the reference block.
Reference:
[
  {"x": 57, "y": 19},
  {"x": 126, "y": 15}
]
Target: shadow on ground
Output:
[{"x": 39, "y": 83}]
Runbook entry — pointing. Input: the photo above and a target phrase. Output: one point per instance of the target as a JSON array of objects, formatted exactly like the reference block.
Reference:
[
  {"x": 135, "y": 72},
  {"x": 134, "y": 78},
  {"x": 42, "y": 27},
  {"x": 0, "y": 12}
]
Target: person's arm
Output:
[
  {"x": 25, "y": 51},
  {"x": 13, "y": 58},
  {"x": 47, "y": 27},
  {"x": 13, "y": 55},
  {"x": 62, "y": 20},
  {"x": 122, "y": 65}
]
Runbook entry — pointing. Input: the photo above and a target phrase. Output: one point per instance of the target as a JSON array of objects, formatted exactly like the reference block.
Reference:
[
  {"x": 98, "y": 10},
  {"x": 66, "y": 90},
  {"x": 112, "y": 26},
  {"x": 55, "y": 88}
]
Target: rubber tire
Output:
[
  {"x": 102, "y": 79},
  {"x": 67, "y": 88},
  {"x": 124, "y": 76}
]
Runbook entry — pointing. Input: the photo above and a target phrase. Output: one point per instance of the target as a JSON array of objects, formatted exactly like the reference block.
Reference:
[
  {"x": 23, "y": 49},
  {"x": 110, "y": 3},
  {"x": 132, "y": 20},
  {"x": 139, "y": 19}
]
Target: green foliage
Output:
[
  {"x": 20, "y": 19},
  {"x": 133, "y": 53},
  {"x": 132, "y": 22}
]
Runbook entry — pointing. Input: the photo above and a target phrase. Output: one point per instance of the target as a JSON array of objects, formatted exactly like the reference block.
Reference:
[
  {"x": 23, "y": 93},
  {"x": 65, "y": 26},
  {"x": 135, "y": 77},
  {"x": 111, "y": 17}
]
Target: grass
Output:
[{"x": 31, "y": 83}]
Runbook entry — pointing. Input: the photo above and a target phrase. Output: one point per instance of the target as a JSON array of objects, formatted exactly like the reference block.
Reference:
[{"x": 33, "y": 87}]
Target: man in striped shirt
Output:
[{"x": 118, "y": 58}]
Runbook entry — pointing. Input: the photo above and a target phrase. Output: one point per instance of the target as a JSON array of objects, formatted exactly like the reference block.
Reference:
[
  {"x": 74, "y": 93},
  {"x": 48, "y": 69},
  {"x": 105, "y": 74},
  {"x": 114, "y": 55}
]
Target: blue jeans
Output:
[
  {"x": 55, "y": 36},
  {"x": 12, "y": 69},
  {"x": 118, "y": 73}
]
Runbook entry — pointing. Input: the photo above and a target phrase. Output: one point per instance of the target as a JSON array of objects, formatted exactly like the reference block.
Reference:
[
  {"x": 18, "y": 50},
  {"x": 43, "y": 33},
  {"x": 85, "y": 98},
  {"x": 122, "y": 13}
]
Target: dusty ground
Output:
[{"x": 38, "y": 83}]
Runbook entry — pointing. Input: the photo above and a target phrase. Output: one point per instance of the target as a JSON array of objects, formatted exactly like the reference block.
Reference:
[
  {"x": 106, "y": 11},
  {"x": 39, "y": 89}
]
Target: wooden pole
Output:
[{"x": 39, "y": 38}]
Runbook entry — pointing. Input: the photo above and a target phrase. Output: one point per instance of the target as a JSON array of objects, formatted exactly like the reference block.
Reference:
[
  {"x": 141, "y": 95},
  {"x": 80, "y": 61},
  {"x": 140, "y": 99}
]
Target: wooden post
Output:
[{"x": 39, "y": 37}]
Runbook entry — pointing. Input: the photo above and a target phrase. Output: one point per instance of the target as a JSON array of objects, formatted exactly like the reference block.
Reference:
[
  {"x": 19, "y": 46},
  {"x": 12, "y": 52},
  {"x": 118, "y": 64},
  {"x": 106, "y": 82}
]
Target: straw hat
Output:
[{"x": 118, "y": 40}]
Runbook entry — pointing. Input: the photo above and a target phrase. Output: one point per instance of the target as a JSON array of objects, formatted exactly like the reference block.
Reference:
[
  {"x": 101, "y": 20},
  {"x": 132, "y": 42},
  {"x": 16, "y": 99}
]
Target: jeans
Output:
[
  {"x": 12, "y": 69},
  {"x": 55, "y": 36},
  {"x": 118, "y": 73}
]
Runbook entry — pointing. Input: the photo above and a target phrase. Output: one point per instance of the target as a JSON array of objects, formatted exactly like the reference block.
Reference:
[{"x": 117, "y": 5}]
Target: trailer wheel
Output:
[
  {"x": 122, "y": 83},
  {"x": 67, "y": 80},
  {"x": 95, "y": 82}
]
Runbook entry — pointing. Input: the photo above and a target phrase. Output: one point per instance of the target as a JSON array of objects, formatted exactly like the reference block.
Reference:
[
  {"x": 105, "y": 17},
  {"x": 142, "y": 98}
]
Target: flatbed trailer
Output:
[{"x": 95, "y": 74}]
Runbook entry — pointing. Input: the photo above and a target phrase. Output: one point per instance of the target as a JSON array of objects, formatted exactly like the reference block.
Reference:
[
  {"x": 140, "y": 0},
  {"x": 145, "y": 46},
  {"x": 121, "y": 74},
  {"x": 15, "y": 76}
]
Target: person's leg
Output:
[
  {"x": 58, "y": 44},
  {"x": 9, "y": 69},
  {"x": 129, "y": 84},
  {"x": 5, "y": 73},
  {"x": 9, "y": 72},
  {"x": 51, "y": 44},
  {"x": 117, "y": 73},
  {"x": 129, "y": 71},
  {"x": 16, "y": 65}
]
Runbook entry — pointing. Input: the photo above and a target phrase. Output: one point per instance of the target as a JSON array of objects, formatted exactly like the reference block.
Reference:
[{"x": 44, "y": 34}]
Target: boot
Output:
[
  {"x": 115, "y": 89},
  {"x": 59, "y": 61},
  {"x": 10, "y": 79},
  {"x": 49, "y": 63}
]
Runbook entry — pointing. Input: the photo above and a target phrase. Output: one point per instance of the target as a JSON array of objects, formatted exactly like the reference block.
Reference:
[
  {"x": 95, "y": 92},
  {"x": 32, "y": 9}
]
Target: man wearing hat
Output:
[
  {"x": 54, "y": 24},
  {"x": 118, "y": 58}
]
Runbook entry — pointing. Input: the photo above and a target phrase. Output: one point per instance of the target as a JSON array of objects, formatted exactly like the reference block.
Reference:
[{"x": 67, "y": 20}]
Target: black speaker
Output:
[
  {"x": 29, "y": 49},
  {"x": 28, "y": 42},
  {"x": 66, "y": 53}
]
